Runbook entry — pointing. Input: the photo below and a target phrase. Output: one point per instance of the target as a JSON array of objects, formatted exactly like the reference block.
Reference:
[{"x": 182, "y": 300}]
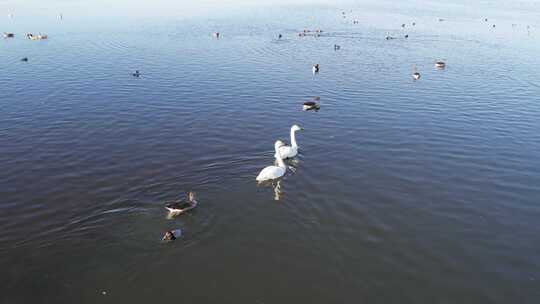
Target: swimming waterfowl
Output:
[
  {"x": 178, "y": 207},
  {"x": 337, "y": 47},
  {"x": 414, "y": 23},
  {"x": 36, "y": 37},
  {"x": 291, "y": 151},
  {"x": 273, "y": 172},
  {"x": 312, "y": 105},
  {"x": 9, "y": 35},
  {"x": 136, "y": 74},
  {"x": 440, "y": 64},
  {"x": 316, "y": 68},
  {"x": 415, "y": 73},
  {"x": 169, "y": 236},
  {"x": 216, "y": 35},
  {"x": 406, "y": 36},
  {"x": 172, "y": 235},
  {"x": 279, "y": 36},
  {"x": 25, "y": 59},
  {"x": 388, "y": 37}
]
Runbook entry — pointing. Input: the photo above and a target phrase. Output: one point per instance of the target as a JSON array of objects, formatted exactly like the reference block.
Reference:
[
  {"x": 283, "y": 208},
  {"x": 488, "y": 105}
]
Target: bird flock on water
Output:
[{"x": 283, "y": 152}]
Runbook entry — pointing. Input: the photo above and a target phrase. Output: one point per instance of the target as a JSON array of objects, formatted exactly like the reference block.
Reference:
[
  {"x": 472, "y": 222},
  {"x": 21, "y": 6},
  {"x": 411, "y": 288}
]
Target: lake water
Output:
[{"x": 404, "y": 191}]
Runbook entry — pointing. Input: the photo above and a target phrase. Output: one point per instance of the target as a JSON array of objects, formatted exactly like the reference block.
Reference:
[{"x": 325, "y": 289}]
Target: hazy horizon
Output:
[
  {"x": 138, "y": 7},
  {"x": 170, "y": 8}
]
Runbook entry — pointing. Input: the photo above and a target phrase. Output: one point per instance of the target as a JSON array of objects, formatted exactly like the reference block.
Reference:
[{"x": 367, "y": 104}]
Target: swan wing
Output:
[
  {"x": 270, "y": 172},
  {"x": 287, "y": 152}
]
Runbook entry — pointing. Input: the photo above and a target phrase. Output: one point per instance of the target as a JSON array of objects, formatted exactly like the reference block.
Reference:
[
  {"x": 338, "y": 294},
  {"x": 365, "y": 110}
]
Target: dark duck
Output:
[
  {"x": 172, "y": 235},
  {"x": 312, "y": 105},
  {"x": 178, "y": 207}
]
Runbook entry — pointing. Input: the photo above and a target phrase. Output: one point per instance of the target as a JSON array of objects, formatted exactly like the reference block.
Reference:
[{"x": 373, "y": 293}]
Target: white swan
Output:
[
  {"x": 290, "y": 151},
  {"x": 273, "y": 172}
]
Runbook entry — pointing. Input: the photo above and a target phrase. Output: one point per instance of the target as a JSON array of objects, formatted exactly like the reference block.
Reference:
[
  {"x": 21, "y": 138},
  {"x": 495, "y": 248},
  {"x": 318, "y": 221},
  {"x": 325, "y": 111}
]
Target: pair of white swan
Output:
[{"x": 283, "y": 151}]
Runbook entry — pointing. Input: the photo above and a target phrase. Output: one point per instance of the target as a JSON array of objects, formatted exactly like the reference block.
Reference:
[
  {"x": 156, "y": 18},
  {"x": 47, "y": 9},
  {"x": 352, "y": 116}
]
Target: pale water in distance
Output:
[{"x": 404, "y": 191}]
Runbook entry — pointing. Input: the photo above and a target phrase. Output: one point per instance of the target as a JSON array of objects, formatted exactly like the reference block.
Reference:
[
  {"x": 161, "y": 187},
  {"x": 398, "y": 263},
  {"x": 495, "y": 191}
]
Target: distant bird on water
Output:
[
  {"x": 312, "y": 105},
  {"x": 415, "y": 73},
  {"x": 25, "y": 59},
  {"x": 440, "y": 64},
  {"x": 316, "y": 68},
  {"x": 172, "y": 235},
  {"x": 136, "y": 74},
  {"x": 182, "y": 206}
]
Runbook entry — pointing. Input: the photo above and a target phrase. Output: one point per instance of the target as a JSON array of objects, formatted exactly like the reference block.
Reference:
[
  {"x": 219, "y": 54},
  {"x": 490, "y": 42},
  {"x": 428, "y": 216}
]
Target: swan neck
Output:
[
  {"x": 280, "y": 161},
  {"x": 293, "y": 139}
]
